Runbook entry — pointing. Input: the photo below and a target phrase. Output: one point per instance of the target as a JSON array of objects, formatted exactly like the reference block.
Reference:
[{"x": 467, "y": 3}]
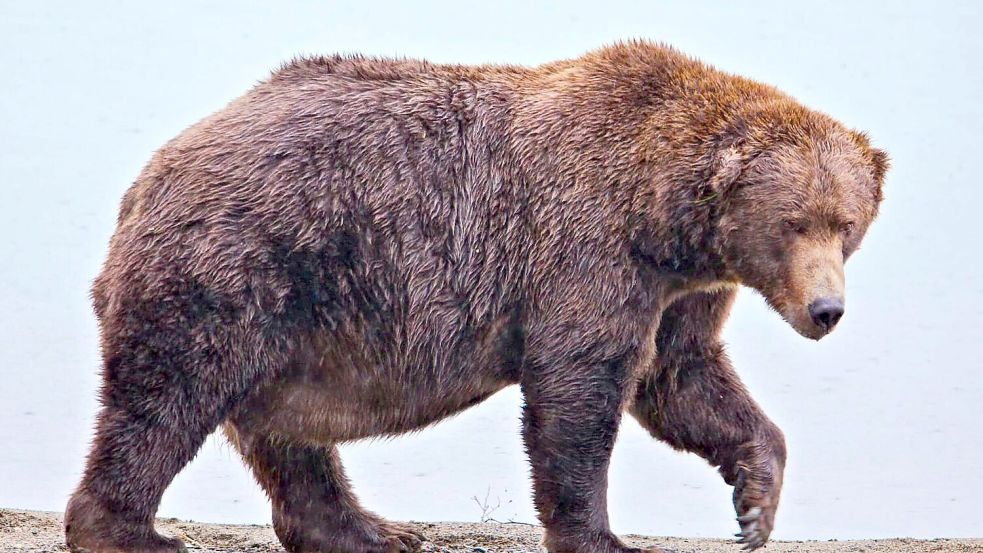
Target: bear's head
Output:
[{"x": 796, "y": 197}]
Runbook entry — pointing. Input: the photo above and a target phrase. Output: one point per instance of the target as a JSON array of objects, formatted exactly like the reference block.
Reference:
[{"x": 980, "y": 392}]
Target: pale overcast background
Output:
[{"x": 883, "y": 418}]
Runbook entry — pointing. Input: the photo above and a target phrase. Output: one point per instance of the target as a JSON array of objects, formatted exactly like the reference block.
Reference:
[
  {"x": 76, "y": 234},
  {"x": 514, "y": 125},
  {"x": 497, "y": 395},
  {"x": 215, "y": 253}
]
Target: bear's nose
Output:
[{"x": 826, "y": 312}]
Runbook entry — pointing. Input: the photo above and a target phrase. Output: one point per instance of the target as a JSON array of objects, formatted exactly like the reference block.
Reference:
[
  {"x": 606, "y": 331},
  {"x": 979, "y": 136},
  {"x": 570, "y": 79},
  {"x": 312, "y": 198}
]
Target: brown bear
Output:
[{"x": 361, "y": 247}]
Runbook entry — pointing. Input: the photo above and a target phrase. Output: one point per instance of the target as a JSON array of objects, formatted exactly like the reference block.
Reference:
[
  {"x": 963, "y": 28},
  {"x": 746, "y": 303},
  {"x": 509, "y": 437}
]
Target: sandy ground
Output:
[{"x": 42, "y": 532}]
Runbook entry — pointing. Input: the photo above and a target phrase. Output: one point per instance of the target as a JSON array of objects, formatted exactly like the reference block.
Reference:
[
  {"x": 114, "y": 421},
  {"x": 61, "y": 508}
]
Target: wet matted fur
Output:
[{"x": 362, "y": 247}]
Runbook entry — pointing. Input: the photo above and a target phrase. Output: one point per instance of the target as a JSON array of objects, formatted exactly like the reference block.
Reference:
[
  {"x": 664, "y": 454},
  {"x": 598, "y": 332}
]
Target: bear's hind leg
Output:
[
  {"x": 131, "y": 463},
  {"x": 314, "y": 509},
  {"x": 175, "y": 365},
  {"x": 692, "y": 399}
]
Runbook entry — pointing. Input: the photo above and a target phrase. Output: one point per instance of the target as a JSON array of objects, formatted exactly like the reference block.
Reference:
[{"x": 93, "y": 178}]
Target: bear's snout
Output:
[{"x": 826, "y": 312}]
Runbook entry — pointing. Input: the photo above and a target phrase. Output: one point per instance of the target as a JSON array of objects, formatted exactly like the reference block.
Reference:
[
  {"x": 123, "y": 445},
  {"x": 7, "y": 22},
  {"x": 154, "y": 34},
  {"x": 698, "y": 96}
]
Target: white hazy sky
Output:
[{"x": 883, "y": 418}]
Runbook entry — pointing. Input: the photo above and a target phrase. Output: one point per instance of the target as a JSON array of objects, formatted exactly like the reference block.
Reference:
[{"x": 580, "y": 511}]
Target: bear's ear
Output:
[
  {"x": 728, "y": 163},
  {"x": 880, "y": 162},
  {"x": 730, "y": 155}
]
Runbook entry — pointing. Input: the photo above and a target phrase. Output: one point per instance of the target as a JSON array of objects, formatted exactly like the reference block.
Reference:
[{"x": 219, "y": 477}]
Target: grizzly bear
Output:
[{"x": 362, "y": 247}]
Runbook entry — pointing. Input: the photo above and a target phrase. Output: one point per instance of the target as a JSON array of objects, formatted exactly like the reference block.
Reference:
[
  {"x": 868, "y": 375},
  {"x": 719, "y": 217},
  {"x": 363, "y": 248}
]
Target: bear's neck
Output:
[
  {"x": 593, "y": 152},
  {"x": 679, "y": 238}
]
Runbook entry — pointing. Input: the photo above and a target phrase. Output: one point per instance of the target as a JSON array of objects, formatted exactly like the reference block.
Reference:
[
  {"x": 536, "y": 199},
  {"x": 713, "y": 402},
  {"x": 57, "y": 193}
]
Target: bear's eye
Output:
[
  {"x": 847, "y": 227},
  {"x": 795, "y": 226}
]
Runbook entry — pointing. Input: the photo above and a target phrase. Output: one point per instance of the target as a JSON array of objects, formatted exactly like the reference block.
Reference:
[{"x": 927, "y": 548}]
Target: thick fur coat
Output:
[{"x": 362, "y": 247}]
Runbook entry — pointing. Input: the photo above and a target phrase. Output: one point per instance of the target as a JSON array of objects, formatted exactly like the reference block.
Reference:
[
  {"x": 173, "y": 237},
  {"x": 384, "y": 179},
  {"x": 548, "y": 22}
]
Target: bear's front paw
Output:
[
  {"x": 755, "y": 500},
  {"x": 597, "y": 541},
  {"x": 756, "y": 526}
]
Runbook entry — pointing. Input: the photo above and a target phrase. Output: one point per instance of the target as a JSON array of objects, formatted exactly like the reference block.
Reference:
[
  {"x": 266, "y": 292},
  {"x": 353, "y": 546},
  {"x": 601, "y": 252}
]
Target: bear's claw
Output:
[{"x": 752, "y": 533}]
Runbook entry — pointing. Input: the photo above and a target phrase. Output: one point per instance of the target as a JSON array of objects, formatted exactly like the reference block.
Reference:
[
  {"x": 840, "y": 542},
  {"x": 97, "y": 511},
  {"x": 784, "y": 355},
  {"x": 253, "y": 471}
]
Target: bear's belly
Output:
[
  {"x": 338, "y": 388},
  {"x": 331, "y": 413},
  {"x": 334, "y": 395}
]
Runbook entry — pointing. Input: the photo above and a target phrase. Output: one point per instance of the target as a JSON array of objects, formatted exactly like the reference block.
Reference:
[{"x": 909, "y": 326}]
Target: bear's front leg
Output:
[
  {"x": 692, "y": 399},
  {"x": 573, "y": 405}
]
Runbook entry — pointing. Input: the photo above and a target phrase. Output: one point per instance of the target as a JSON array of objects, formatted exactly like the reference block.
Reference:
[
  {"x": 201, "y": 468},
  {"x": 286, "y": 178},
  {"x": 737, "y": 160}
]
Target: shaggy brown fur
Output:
[{"x": 362, "y": 247}]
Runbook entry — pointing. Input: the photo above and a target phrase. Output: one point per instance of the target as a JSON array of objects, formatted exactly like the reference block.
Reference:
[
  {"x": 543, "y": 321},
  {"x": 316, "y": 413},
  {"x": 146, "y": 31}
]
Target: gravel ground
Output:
[{"x": 33, "y": 531}]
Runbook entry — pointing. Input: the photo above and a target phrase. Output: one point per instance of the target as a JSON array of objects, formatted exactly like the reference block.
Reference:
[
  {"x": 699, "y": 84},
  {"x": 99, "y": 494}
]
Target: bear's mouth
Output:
[{"x": 805, "y": 326}]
